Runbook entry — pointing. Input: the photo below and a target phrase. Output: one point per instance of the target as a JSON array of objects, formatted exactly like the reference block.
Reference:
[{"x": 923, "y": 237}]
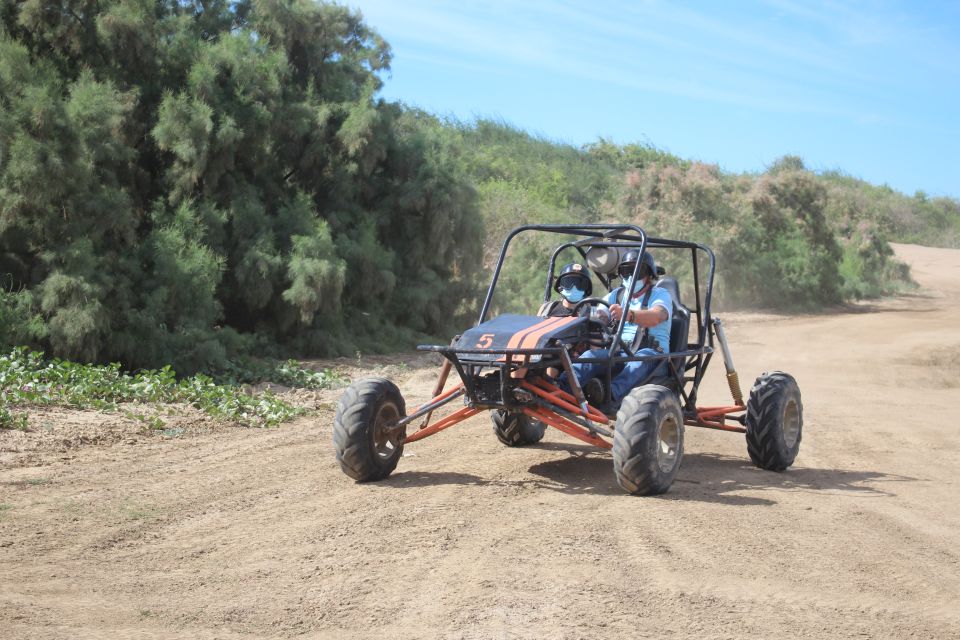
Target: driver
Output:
[{"x": 647, "y": 329}]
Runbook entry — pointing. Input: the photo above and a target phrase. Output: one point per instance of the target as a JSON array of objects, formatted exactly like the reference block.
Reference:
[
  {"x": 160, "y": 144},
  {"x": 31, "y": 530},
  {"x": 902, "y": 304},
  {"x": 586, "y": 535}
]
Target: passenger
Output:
[{"x": 573, "y": 284}]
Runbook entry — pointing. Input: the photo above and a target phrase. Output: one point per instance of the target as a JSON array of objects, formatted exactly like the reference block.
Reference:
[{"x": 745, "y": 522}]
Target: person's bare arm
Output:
[
  {"x": 645, "y": 318},
  {"x": 648, "y": 317}
]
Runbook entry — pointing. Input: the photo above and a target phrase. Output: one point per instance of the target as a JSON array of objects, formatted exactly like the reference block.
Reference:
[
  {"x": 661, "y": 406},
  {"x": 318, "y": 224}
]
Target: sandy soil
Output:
[{"x": 111, "y": 531}]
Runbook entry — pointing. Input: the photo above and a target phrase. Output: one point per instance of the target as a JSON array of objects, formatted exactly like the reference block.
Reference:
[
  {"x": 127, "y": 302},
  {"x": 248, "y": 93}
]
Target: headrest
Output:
[
  {"x": 603, "y": 259},
  {"x": 670, "y": 284}
]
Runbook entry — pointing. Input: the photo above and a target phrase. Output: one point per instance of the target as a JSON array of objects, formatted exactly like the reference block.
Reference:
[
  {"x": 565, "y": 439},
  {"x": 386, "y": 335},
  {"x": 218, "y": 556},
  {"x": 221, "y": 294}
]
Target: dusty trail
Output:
[{"x": 242, "y": 533}]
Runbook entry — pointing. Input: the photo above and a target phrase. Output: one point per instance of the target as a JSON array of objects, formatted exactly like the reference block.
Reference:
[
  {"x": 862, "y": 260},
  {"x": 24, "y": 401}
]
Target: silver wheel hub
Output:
[
  {"x": 668, "y": 444},
  {"x": 386, "y": 441},
  {"x": 791, "y": 423}
]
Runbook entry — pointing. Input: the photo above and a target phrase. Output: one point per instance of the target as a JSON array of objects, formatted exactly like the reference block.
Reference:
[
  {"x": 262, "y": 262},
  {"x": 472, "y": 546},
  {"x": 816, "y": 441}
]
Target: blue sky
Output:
[{"x": 870, "y": 88}]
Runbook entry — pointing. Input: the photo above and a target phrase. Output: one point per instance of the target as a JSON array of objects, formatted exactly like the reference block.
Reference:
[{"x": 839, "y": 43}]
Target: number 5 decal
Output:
[{"x": 485, "y": 341}]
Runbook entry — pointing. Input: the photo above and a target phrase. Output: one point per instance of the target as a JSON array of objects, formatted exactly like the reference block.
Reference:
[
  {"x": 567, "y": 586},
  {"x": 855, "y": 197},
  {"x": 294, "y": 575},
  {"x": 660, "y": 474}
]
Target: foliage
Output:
[
  {"x": 183, "y": 181},
  {"x": 787, "y": 238},
  {"x": 19, "y": 322},
  {"x": 12, "y": 420},
  {"x": 933, "y": 222},
  {"x": 523, "y": 179},
  {"x": 197, "y": 183},
  {"x": 773, "y": 235},
  {"x": 27, "y": 378},
  {"x": 288, "y": 373},
  {"x": 291, "y": 374}
]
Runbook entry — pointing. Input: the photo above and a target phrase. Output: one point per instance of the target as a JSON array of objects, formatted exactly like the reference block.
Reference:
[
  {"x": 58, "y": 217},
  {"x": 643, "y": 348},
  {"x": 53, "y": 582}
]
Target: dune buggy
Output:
[{"x": 505, "y": 363}]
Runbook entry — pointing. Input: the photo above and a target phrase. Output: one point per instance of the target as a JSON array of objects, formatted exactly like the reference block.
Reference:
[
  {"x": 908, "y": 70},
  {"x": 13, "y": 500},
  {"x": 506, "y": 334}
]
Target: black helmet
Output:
[
  {"x": 574, "y": 274},
  {"x": 647, "y": 265}
]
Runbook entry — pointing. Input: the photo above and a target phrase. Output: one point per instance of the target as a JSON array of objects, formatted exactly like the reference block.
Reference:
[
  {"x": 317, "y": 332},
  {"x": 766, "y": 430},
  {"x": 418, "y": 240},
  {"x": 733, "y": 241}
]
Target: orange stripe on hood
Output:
[
  {"x": 531, "y": 339},
  {"x": 520, "y": 336}
]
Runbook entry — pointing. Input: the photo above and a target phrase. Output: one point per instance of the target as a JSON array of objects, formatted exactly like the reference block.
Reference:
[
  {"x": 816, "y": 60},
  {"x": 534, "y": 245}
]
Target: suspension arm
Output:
[
  {"x": 457, "y": 416},
  {"x": 436, "y": 403},
  {"x": 558, "y": 422}
]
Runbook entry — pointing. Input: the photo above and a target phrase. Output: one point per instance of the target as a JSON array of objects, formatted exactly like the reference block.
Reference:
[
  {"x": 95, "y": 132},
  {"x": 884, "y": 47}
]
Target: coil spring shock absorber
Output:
[{"x": 733, "y": 381}]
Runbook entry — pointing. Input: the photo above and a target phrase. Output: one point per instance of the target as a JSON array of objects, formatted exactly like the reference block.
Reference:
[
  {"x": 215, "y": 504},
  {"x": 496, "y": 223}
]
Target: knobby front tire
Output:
[
  {"x": 774, "y": 421},
  {"x": 648, "y": 440},
  {"x": 366, "y": 449}
]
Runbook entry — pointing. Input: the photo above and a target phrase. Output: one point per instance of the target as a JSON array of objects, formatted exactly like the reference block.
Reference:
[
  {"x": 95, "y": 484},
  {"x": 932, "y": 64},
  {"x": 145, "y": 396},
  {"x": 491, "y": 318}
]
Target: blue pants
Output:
[{"x": 631, "y": 374}]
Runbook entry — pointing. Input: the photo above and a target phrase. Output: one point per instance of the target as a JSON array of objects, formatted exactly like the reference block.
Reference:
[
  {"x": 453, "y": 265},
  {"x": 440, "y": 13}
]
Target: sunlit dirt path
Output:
[{"x": 256, "y": 533}]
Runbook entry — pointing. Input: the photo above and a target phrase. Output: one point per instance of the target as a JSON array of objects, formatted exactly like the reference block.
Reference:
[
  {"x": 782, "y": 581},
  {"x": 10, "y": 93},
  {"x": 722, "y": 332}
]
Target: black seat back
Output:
[{"x": 680, "y": 324}]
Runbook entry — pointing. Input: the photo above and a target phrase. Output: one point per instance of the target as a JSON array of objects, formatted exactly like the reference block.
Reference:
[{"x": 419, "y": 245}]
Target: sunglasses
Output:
[{"x": 626, "y": 270}]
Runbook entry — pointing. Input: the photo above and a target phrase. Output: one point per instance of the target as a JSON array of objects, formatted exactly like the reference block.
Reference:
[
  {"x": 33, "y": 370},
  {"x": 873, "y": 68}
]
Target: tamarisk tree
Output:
[{"x": 180, "y": 180}]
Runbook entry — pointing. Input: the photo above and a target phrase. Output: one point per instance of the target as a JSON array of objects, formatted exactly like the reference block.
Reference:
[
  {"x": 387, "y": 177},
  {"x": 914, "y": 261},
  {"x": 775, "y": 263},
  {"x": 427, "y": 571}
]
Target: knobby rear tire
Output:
[
  {"x": 774, "y": 421},
  {"x": 516, "y": 429},
  {"x": 648, "y": 440},
  {"x": 365, "y": 450}
]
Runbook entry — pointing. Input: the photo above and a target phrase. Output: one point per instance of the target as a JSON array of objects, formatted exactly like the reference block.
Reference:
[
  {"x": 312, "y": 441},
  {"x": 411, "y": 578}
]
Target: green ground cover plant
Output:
[
  {"x": 27, "y": 378},
  {"x": 288, "y": 373}
]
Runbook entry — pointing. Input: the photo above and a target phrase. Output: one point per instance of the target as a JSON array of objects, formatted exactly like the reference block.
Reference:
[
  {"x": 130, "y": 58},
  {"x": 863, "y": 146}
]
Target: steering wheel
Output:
[
  {"x": 585, "y": 301},
  {"x": 605, "y": 338}
]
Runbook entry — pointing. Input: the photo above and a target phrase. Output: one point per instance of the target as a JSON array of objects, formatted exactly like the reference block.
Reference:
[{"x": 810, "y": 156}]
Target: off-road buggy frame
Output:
[{"x": 503, "y": 366}]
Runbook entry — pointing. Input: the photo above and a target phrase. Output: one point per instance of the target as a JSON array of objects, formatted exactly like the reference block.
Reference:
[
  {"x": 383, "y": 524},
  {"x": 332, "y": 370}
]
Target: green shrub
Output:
[
  {"x": 189, "y": 182},
  {"x": 288, "y": 373},
  {"x": 776, "y": 236},
  {"x": 19, "y": 321}
]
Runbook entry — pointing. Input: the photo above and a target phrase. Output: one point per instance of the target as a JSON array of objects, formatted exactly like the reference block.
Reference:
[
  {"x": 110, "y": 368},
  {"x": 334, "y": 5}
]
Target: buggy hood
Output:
[{"x": 511, "y": 331}]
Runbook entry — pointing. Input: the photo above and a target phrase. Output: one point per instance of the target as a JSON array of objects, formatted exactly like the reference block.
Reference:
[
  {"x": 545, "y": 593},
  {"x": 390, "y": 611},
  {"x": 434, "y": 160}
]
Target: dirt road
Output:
[{"x": 238, "y": 533}]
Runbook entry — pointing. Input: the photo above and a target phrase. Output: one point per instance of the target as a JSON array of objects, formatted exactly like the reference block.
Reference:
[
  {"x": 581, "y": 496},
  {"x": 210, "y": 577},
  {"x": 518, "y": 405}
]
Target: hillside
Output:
[
  {"x": 191, "y": 184},
  {"x": 787, "y": 238}
]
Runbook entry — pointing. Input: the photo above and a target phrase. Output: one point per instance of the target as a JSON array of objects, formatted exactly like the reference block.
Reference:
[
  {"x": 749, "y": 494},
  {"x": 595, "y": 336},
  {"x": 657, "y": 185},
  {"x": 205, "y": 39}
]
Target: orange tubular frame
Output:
[
  {"x": 707, "y": 417},
  {"x": 443, "y": 396},
  {"x": 543, "y": 389},
  {"x": 716, "y": 418},
  {"x": 563, "y": 399},
  {"x": 569, "y": 428},
  {"x": 457, "y": 416}
]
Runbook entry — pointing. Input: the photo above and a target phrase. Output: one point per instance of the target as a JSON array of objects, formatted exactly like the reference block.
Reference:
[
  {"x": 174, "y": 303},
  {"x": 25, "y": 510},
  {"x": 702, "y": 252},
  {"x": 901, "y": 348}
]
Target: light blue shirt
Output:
[{"x": 659, "y": 297}]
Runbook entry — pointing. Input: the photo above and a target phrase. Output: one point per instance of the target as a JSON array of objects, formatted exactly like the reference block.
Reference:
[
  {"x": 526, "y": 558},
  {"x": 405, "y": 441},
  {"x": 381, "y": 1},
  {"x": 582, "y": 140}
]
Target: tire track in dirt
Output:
[{"x": 256, "y": 533}]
